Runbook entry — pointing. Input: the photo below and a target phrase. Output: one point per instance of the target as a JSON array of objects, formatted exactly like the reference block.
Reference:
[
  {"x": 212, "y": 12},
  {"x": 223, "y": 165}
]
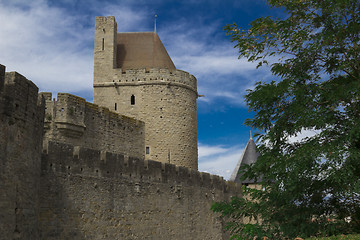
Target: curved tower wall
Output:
[{"x": 165, "y": 99}]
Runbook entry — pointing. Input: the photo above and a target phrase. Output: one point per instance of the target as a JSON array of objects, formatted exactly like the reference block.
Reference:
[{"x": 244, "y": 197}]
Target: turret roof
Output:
[
  {"x": 142, "y": 50},
  {"x": 249, "y": 156}
]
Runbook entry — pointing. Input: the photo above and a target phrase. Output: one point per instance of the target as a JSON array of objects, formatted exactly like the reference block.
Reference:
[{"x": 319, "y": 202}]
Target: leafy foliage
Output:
[
  {"x": 339, "y": 237},
  {"x": 313, "y": 184}
]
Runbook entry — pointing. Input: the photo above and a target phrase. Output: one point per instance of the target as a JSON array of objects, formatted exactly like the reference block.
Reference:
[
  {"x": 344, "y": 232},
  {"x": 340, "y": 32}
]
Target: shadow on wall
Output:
[
  {"x": 59, "y": 219},
  {"x": 90, "y": 194},
  {"x": 121, "y": 54}
]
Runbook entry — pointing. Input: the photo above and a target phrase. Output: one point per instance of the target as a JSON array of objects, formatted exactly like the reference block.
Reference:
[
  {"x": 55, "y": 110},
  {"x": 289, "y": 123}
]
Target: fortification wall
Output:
[
  {"x": 62, "y": 190},
  {"x": 70, "y": 119},
  {"x": 166, "y": 101},
  {"x": 21, "y": 130},
  {"x": 88, "y": 194}
]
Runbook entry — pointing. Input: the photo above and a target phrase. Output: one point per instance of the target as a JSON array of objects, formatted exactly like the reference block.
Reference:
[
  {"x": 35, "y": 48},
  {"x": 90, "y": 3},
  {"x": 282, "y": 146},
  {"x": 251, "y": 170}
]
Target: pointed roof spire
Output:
[
  {"x": 249, "y": 156},
  {"x": 155, "y": 23}
]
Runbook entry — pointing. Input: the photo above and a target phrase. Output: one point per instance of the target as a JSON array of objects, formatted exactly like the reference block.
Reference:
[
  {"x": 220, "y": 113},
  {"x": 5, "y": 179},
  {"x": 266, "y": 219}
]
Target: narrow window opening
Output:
[
  {"x": 147, "y": 150},
  {"x": 132, "y": 100},
  {"x": 115, "y": 106},
  {"x": 103, "y": 44}
]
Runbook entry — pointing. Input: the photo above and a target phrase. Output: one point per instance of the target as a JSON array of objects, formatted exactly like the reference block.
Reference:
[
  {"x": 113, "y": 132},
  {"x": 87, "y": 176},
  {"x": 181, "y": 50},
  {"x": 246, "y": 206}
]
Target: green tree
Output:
[{"x": 313, "y": 184}]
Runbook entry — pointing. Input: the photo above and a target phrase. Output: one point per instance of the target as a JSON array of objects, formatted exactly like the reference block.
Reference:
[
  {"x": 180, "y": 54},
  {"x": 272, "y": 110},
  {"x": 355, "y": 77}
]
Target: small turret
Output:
[
  {"x": 104, "y": 46},
  {"x": 249, "y": 156}
]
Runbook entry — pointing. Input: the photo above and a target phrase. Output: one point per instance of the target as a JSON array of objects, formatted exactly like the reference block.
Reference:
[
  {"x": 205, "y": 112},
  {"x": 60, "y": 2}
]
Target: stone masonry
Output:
[
  {"x": 65, "y": 191},
  {"x": 122, "y": 168},
  {"x": 85, "y": 195},
  {"x": 21, "y": 133},
  {"x": 134, "y": 75},
  {"x": 70, "y": 119}
]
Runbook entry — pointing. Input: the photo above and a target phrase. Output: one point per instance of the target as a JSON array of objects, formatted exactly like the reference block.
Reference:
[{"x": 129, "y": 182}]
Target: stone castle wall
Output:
[
  {"x": 70, "y": 119},
  {"x": 89, "y": 195},
  {"x": 64, "y": 190},
  {"x": 165, "y": 99},
  {"x": 21, "y": 131}
]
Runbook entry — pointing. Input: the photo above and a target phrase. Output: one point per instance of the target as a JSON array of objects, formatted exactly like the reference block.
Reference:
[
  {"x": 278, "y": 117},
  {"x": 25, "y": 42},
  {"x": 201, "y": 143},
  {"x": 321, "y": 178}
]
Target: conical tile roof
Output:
[{"x": 249, "y": 156}]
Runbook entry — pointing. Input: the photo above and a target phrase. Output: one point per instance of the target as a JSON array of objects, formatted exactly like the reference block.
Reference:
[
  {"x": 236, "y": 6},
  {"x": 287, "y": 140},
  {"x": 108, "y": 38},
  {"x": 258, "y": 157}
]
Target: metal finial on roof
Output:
[
  {"x": 250, "y": 135},
  {"x": 155, "y": 23}
]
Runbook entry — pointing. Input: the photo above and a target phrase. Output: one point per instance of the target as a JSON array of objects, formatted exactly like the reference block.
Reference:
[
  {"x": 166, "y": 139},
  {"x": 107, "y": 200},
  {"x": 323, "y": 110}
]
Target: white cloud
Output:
[
  {"x": 46, "y": 45},
  {"x": 128, "y": 19},
  {"x": 219, "y": 160},
  {"x": 203, "y": 52},
  {"x": 216, "y": 62},
  {"x": 52, "y": 47},
  {"x": 205, "y": 150},
  {"x": 305, "y": 133}
]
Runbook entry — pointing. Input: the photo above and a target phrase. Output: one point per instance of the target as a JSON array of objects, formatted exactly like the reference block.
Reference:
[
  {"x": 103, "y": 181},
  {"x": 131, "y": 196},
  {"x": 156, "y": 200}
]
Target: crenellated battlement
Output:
[
  {"x": 73, "y": 108},
  {"x": 102, "y": 19},
  {"x": 68, "y": 159},
  {"x": 71, "y": 119},
  {"x": 125, "y": 198},
  {"x": 150, "y": 76},
  {"x": 21, "y": 132},
  {"x": 19, "y": 99}
]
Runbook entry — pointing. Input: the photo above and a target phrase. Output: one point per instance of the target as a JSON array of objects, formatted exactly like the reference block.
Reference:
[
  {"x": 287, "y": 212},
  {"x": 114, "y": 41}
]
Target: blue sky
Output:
[{"x": 51, "y": 43}]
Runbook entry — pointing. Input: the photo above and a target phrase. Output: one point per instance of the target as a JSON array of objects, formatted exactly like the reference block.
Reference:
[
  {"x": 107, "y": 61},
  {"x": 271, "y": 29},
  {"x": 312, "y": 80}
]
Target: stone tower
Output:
[{"x": 134, "y": 76}]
